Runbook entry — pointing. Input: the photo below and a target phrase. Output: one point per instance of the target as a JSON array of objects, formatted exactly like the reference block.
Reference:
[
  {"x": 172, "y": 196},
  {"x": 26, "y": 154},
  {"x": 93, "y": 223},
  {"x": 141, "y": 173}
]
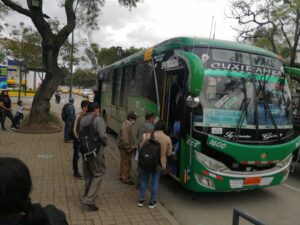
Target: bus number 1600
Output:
[{"x": 217, "y": 144}]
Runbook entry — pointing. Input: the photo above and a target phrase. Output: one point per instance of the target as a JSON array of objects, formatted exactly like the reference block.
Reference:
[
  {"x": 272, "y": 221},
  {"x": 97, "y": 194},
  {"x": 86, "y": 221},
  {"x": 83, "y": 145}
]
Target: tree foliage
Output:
[
  {"x": 2, "y": 57},
  {"x": 23, "y": 44},
  {"x": 82, "y": 14},
  {"x": 273, "y": 24},
  {"x": 101, "y": 57},
  {"x": 84, "y": 78}
]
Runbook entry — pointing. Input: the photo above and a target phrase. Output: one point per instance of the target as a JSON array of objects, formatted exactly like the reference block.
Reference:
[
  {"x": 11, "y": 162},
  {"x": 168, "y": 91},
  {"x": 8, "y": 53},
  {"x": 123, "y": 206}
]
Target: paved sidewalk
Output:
[{"x": 50, "y": 162}]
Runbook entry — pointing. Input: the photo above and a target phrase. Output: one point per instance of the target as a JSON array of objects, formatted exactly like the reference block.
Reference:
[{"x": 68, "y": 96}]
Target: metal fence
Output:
[{"x": 237, "y": 214}]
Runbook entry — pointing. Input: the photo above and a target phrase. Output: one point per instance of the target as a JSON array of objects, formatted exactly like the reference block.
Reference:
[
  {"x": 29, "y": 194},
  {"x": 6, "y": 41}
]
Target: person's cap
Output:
[{"x": 132, "y": 114}]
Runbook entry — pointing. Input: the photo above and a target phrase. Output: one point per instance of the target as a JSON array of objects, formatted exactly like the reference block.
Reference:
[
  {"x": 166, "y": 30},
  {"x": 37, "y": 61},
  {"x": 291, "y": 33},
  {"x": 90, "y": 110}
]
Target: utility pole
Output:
[
  {"x": 71, "y": 65},
  {"x": 20, "y": 80}
]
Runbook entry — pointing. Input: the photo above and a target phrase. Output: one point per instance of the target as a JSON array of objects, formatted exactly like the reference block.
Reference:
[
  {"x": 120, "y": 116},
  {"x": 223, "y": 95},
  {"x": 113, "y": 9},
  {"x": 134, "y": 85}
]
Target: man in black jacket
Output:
[{"x": 6, "y": 110}]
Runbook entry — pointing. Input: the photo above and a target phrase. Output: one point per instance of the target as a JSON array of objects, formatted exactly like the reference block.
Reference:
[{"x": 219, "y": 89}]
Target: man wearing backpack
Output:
[
  {"x": 68, "y": 115},
  {"x": 152, "y": 164},
  {"x": 93, "y": 139},
  {"x": 84, "y": 105},
  {"x": 146, "y": 127},
  {"x": 126, "y": 140}
]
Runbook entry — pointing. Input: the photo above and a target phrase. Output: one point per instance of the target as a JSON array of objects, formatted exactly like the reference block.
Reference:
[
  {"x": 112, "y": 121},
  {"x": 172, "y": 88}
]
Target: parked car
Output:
[
  {"x": 64, "y": 90},
  {"x": 86, "y": 93}
]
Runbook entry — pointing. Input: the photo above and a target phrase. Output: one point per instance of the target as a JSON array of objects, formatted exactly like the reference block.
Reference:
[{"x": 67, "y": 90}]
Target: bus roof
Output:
[{"x": 183, "y": 42}]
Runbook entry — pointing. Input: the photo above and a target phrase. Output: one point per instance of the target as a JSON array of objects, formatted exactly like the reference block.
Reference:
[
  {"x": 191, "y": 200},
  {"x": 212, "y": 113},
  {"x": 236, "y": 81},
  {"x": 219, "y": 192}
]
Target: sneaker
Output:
[
  {"x": 141, "y": 203},
  {"x": 152, "y": 205}
]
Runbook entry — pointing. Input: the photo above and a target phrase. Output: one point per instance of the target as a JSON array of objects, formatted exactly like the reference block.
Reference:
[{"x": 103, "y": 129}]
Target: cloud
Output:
[
  {"x": 118, "y": 16},
  {"x": 150, "y": 23},
  {"x": 153, "y": 21}
]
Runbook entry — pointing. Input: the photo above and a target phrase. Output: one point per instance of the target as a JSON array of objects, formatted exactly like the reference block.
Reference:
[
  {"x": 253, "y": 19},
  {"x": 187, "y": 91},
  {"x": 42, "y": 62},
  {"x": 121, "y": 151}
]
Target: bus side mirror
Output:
[{"x": 196, "y": 76}]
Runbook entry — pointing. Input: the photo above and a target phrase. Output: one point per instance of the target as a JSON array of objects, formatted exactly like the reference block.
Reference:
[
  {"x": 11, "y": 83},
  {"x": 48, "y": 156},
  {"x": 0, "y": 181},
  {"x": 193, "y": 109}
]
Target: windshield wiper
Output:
[
  {"x": 267, "y": 109},
  {"x": 244, "y": 107}
]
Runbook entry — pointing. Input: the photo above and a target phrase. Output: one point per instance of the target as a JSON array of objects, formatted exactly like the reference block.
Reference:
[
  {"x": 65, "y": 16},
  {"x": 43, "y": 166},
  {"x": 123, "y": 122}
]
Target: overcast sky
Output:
[{"x": 153, "y": 21}]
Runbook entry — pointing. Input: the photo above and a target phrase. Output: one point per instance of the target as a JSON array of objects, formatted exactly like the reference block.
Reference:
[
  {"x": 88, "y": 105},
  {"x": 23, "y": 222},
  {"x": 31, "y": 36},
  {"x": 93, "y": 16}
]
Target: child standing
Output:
[{"x": 19, "y": 114}]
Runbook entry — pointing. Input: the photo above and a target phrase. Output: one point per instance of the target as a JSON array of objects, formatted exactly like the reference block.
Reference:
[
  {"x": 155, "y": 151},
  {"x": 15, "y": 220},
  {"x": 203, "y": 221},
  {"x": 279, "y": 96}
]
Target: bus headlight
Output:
[
  {"x": 209, "y": 162},
  {"x": 192, "y": 102},
  {"x": 205, "y": 181}
]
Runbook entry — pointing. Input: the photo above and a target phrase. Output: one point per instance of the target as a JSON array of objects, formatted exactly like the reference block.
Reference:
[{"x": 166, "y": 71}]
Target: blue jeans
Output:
[
  {"x": 68, "y": 128},
  {"x": 145, "y": 176}
]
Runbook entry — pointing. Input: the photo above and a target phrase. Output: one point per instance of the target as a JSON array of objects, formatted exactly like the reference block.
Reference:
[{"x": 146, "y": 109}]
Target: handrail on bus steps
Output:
[
  {"x": 156, "y": 85},
  {"x": 238, "y": 213}
]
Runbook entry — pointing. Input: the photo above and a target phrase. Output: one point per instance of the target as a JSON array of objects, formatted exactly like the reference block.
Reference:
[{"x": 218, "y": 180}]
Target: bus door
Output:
[
  {"x": 172, "y": 111},
  {"x": 172, "y": 98}
]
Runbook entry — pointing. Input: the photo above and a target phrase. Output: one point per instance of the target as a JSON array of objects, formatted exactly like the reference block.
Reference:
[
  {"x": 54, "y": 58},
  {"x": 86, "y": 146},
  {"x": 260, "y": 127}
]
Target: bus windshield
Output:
[{"x": 240, "y": 87}]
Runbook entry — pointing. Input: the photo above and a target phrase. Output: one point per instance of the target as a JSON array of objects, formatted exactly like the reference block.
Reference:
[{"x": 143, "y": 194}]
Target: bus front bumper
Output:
[{"x": 205, "y": 178}]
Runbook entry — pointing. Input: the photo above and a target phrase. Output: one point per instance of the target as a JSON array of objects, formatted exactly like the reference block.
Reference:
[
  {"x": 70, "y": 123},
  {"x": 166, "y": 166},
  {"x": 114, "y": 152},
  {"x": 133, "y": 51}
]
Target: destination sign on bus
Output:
[{"x": 245, "y": 68}]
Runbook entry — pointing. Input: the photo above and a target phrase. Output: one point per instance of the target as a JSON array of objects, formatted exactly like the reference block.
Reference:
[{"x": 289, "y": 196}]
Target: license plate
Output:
[{"x": 252, "y": 181}]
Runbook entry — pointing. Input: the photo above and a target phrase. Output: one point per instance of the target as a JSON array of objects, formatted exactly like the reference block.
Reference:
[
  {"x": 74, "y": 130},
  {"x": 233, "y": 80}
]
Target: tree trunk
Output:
[
  {"x": 41, "y": 103},
  {"x": 54, "y": 76},
  {"x": 51, "y": 44}
]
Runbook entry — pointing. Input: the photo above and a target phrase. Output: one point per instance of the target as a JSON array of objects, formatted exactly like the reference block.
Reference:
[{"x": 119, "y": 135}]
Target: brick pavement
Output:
[{"x": 50, "y": 162}]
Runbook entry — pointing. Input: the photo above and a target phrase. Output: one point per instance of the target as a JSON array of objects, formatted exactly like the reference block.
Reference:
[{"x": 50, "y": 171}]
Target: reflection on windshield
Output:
[
  {"x": 224, "y": 93},
  {"x": 277, "y": 97},
  {"x": 222, "y": 100},
  {"x": 241, "y": 83}
]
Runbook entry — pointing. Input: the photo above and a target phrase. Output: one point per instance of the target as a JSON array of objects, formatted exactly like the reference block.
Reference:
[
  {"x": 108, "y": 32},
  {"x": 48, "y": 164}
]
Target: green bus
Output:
[
  {"x": 227, "y": 105},
  {"x": 294, "y": 78}
]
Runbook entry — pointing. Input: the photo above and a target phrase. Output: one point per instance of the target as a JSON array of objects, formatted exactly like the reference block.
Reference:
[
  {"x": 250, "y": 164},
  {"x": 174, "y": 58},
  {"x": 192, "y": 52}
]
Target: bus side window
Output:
[
  {"x": 117, "y": 84},
  {"x": 148, "y": 82},
  {"x": 142, "y": 83},
  {"x": 135, "y": 83},
  {"x": 128, "y": 73},
  {"x": 105, "y": 82}
]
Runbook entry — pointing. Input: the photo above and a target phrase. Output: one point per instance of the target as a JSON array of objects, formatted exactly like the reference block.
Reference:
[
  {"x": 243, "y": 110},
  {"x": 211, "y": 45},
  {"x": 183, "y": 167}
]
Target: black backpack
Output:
[
  {"x": 64, "y": 112},
  {"x": 149, "y": 155},
  {"x": 89, "y": 140}
]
